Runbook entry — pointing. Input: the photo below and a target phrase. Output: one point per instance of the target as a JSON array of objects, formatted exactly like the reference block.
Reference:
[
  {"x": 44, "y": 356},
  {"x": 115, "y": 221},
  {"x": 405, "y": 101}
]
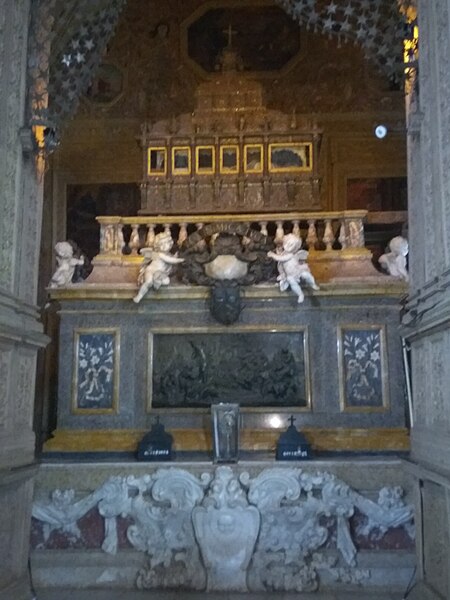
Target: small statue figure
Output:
[
  {"x": 292, "y": 267},
  {"x": 394, "y": 262},
  {"x": 66, "y": 265},
  {"x": 157, "y": 265}
]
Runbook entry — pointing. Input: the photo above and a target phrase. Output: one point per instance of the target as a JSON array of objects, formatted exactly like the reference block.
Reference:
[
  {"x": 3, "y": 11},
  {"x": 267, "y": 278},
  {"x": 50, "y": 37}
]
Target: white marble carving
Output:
[
  {"x": 226, "y": 528},
  {"x": 157, "y": 265},
  {"x": 292, "y": 266},
  {"x": 163, "y": 529},
  {"x": 63, "y": 512},
  {"x": 225, "y": 267},
  {"x": 390, "y": 511},
  {"x": 394, "y": 262},
  {"x": 224, "y": 532},
  {"x": 286, "y": 556},
  {"x": 66, "y": 263}
]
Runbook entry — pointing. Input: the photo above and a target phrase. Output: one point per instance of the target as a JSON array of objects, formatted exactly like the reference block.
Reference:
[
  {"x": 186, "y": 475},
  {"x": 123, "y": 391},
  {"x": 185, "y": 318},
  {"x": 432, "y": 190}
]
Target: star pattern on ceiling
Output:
[
  {"x": 377, "y": 25},
  {"x": 72, "y": 35}
]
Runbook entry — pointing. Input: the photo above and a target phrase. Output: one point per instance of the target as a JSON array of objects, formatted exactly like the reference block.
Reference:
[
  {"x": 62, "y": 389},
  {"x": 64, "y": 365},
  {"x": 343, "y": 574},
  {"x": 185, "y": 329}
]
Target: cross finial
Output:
[
  {"x": 292, "y": 419},
  {"x": 230, "y": 32}
]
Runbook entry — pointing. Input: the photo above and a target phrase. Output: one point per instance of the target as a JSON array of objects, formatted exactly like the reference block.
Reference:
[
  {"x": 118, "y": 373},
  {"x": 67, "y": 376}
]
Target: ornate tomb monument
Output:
[
  {"x": 233, "y": 302},
  {"x": 231, "y": 286}
]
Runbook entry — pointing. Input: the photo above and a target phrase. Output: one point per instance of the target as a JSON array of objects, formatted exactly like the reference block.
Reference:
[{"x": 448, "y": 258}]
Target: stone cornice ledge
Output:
[
  {"x": 12, "y": 302},
  {"x": 19, "y": 321},
  {"x": 357, "y": 287},
  {"x": 18, "y": 475},
  {"x": 428, "y": 308}
]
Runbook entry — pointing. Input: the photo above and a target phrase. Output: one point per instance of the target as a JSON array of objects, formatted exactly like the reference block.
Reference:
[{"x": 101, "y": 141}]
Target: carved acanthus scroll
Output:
[{"x": 267, "y": 532}]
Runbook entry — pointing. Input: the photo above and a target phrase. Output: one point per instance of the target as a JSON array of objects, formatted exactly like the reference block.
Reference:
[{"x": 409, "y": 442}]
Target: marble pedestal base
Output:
[{"x": 254, "y": 526}]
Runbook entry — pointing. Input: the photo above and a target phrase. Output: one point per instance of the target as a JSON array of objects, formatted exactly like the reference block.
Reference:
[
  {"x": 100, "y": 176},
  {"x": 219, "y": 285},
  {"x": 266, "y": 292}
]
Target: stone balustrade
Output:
[{"x": 123, "y": 237}]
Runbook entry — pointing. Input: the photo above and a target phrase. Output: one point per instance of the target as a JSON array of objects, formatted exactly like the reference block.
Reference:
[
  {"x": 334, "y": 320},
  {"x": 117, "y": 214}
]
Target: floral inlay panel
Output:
[
  {"x": 96, "y": 371},
  {"x": 362, "y": 368}
]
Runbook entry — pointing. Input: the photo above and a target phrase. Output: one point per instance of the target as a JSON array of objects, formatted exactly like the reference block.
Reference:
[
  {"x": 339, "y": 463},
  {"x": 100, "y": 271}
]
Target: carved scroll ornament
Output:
[{"x": 269, "y": 532}]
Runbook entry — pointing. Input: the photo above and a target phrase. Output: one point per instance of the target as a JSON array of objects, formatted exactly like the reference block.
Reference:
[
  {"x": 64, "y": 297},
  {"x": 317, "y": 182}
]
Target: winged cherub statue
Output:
[
  {"x": 292, "y": 267},
  {"x": 157, "y": 265}
]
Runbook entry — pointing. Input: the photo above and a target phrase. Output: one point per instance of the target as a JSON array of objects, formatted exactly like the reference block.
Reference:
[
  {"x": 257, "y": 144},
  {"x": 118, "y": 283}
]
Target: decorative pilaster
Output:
[
  {"x": 426, "y": 321},
  {"x": 20, "y": 332}
]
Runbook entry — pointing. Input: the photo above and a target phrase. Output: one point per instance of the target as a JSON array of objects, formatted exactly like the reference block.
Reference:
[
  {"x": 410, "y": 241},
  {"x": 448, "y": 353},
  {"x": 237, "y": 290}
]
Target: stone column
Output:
[
  {"x": 20, "y": 332},
  {"x": 426, "y": 324}
]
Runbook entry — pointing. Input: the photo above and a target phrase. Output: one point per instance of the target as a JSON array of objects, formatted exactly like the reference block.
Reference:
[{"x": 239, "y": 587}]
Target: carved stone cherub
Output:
[
  {"x": 157, "y": 265},
  {"x": 394, "y": 262},
  {"x": 292, "y": 267},
  {"x": 66, "y": 263}
]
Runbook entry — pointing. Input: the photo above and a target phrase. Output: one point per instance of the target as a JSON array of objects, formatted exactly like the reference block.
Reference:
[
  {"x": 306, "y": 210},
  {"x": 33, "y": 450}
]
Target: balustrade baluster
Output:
[
  {"x": 328, "y": 236},
  {"x": 150, "y": 241},
  {"x": 356, "y": 233},
  {"x": 120, "y": 241},
  {"x": 107, "y": 236},
  {"x": 343, "y": 235},
  {"x": 296, "y": 228},
  {"x": 279, "y": 234},
  {"x": 263, "y": 225},
  {"x": 199, "y": 226},
  {"x": 135, "y": 242},
  {"x": 182, "y": 236},
  {"x": 311, "y": 238},
  {"x": 103, "y": 238}
]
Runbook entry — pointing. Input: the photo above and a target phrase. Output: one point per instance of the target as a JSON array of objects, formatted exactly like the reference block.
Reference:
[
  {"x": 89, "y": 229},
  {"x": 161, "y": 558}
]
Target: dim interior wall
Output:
[{"x": 359, "y": 154}]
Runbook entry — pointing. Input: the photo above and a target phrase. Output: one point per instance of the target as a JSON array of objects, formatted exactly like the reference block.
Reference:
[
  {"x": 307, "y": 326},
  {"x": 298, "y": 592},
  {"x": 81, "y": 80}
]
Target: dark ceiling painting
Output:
[{"x": 266, "y": 37}]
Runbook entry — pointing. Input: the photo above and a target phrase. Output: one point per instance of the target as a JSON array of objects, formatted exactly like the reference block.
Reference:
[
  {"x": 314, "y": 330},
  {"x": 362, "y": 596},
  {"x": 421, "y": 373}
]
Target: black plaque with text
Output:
[
  {"x": 156, "y": 445},
  {"x": 292, "y": 445}
]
